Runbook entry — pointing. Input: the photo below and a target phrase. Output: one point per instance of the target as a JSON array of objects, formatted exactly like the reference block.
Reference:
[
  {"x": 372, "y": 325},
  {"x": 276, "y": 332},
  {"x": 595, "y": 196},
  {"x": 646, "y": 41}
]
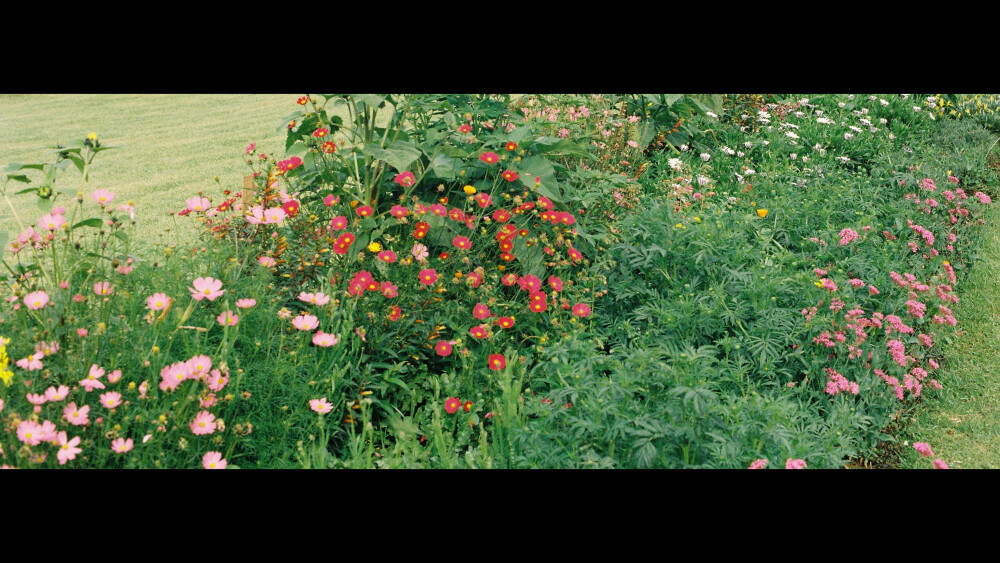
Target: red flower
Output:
[
  {"x": 421, "y": 230},
  {"x": 364, "y": 211},
  {"x": 467, "y": 406},
  {"x": 395, "y": 313},
  {"x": 452, "y": 405},
  {"x": 464, "y": 128},
  {"x": 574, "y": 254},
  {"x": 511, "y": 146},
  {"x": 484, "y": 199},
  {"x": 581, "y": 310},
  {"x": 530, "y": 283},
  {"x": 461, "y": 242},
  {"x": 329, "y": 147},
  {"x": 443, "y": 256},
  {"x": 501, "y": 215},
  {"x": 405, "y": 179},
  {"x": 478, "y": 331},
  {"x": 428, "y": 276},
  {"x": 510, "y": 175},
  {"x": 338, "y": 223},
  {"x": 443, "y": 348},
  {"x": 507, "y": 256},
  {"x": 321, "y": 132},
  {"x": 555, "y": 283},
  {"x": 506, "y": 322},
  {"x": 497, "y": 362},
  {"x": 398, "y": 211},
  {"x": 457, "y": 214},
  {"x": 291, "y": 208},
  {"x": 489, "y": 157},
  {"x": 288, "y": 164},
  {"x": 303, "y": 100},
  {"x": 509, "y": 279},
  {"x": 481, "y": 311},
  {"x": 544, "y": 202}
]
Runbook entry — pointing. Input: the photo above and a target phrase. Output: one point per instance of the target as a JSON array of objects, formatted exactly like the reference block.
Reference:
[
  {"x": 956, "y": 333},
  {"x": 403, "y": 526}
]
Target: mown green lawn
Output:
[{"x": 170, "y": 146}]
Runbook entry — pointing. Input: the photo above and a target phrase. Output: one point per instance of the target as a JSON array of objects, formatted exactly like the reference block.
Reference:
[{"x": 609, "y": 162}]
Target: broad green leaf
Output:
[
  {"x": 44, "y": 205},
  {"x": 15, "y": 166},
  {"x": 3, "y": 241},
  {"x": 445, "y": 166},
  {"x": 92, "y": 222},
  {"x": 538, "y": 167},
  {"x": 121, "y": 235},
  {"x": 400, "y": 154}
]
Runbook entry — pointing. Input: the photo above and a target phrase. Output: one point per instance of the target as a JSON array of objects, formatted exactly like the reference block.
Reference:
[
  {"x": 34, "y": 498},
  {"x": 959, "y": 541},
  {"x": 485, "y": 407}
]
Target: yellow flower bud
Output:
[
  {"x": 374, "y": 247},
  {"x": 762, "y": 213},
  {"x": 469, "y": 190}
]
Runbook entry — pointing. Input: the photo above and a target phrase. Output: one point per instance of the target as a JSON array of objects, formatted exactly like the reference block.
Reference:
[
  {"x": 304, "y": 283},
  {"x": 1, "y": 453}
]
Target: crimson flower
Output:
[
  {"x": 510, "y": 175},
  {"x": 489, "y": 157},
  {"x": 464, "y": 128},
  {"x": 405, "y": 179},
  {"x": 452, "y": 405},
  {"x": 329, "y": 147},
  {"x": 511, "y": 146},
  {"x": 443, "y": 348},
  {"x": 321, "y": 132},
  {"x": 291, "y": 208},
  {"x": 497, "y": 362}
]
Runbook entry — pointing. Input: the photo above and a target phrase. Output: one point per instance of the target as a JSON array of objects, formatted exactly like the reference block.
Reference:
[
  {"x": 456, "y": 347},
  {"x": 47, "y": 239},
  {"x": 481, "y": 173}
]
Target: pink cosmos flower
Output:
[
  {"x": 305, "y": 322},
  {"x": 31, "y": 363},
  {"x": 207, "y": 402},
  {"x": 81, "y": 332},
  {"x": 103, "y": 288},
  {"x": 940, "y": 464},
  {"x": 206, "y": 288},
  {"x": 111, "y": 399},
  {"x": 103, "y": 197},
  {"x": 204, "y": 423},
  {"x": 324, "y": 340},
  {"x": 76, "y": 416},
  {"x": 331, "y": 200},
  {"x": 758, "y": 463},
  {"x": 320, "y": 405},
  {"x": 246, "y": 303},
  {"x": 92, "y": 382},
  {"x": 121, "y": 445},
  {"x": 213, "y": 460},
  {"x": 198, "y": 204},
  {"x": 36, "y": 300},
  {"x": 923, "y": 449},
  {"x": 54, "y": 394},
  {"x": 67, "y": 449},
  {"x": 51, "y": 222},
  {"x": 420, "y": 252},
  {"x": 216, "y": 381},
  {"x": 315, "y": 299},
  {"x": 795, "y": 464},
  {"x": 157, "y": 301},
  {"x": 227, "y": 318},
  {"x": 198, "y": 366},
  {"x": 29, "y": 432},
  {"x": 266, "y": 261},
  {"x": 115, "y": 376}
]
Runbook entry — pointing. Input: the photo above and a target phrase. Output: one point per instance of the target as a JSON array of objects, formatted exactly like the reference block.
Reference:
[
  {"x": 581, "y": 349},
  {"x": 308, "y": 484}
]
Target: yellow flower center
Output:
[{"x": 212, "y": 465}]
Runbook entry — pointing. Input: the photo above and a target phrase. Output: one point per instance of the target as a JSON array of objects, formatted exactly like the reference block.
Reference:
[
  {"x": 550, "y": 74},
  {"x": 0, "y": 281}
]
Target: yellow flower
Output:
[
  {"x": 762, "y": 213},
  {"x": 469, "y": 190},
  {"x": 818, "y": 284},
  {"x": 92, "y": 136},
  {"x": 697, "y": 219},
  {"x": 374, "y": 247}
]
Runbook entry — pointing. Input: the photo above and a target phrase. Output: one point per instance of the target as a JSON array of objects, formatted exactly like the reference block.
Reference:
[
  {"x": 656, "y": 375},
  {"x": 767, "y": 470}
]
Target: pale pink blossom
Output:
[
  {"x": 121, "y": 445},
  {"x": 67, "y": 449},
  {"x": 213, "y": 460},
  {"x": 322, "y": 406},
  {"x": 36, "y": 300},
  {"x": 206, "y": 288},
  {"x": 795, "y": 464},
  {"x": 76, "y": 416},
  {"x": 246, "y": 303},
  {"x": 227, "y": 318},
  {"x": 324, "y": 340},
  {"x": 157, "y": 301},
  {"x": 111, "y": 399},
  {"x": 204, "y": 423},
  {"x": 103, "y": 197},
  {"x": 305, "y": 322}
]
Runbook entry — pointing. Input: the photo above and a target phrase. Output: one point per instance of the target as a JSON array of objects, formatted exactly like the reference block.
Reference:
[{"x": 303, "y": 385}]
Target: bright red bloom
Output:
[
  {"x": 291, "y": 208},
  {"x": 481, "y": 311},
  {"x": 497, "y": 362},
  {"x": 509, "y": 279},
  {"x": 555, "y": 283},
  {"x": 461, "y": 242},
  {"x": 303, "y": 100},
  {"x": 443, "y": 256},
  {"x": 501, "y": 215},
  {"x": 464, "y": 128},
  {"x": 395, "y": 313},
  {"x": 457, "y": 214},
  {"x": 530, "y": 283},
  {"x": 387, "y": 256},
  {"x": 439, "y": 210},
  {"x": 338, "y": 223},
  {"x": 511, "y": 146},
  {"x": 289, "y": 164},
  {"x": 574, "y": 254},
  {"x": 544, "y": 202},
  {"x": 405, "y": 179},
  {"x": 443, "y": 348},
  {"x": 507, "y": 256},
  {"x": 421, "y": 230},
  {"x": 489, "y": 157},
  {"x": 329, "y": 147},
  {"x": 364, "y": 211},
  {"x": 467, "y": 406},
  {"x": 506, "y": 322},
  {"x": 478, "y": 331},
  {"x": 538, "y": 305},
  {"x": 510, "y": 175},
  {"x": 483, "y": 199},
  {"x": 321, "y": 132},
  {"x": 398, "y": 211},
  {"x": 581, "y": 310},
  {"x": 428, "y": 276},
  {"x": 452, "y": 405}
]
